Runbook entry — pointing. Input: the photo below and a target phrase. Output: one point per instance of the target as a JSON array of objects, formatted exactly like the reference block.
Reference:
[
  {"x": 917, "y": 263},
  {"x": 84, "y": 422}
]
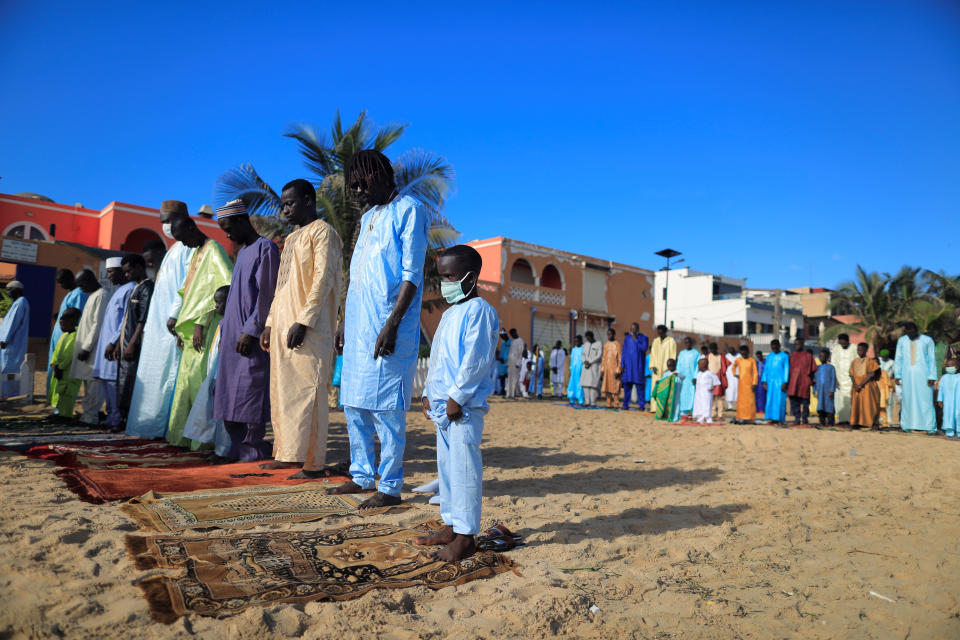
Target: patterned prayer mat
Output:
[
  {"x": 224, "y": 575},
  {"x": 119, "y": 454},
  {"x": 242, "y": 507},
  {"x": 101, "y": 485}
]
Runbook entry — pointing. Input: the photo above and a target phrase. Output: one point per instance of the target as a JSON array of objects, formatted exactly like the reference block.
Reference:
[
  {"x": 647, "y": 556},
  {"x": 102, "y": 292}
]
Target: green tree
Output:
[
  {"x": 869, "y": 299},
  {"x": 419, "y": 173}
]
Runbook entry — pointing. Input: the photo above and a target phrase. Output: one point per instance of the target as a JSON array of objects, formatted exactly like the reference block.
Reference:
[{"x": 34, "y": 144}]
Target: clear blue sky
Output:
[{"x": 782, "y": 142}]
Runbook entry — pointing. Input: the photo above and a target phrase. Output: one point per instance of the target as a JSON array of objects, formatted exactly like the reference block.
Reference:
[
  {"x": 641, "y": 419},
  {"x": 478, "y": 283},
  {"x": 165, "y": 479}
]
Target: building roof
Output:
[{"x": 536, "y": 249}]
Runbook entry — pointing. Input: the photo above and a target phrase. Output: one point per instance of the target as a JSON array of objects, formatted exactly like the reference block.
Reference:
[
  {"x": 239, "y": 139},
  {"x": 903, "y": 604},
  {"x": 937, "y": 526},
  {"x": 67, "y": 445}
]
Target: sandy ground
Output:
[{"x": 672, "y": 532}]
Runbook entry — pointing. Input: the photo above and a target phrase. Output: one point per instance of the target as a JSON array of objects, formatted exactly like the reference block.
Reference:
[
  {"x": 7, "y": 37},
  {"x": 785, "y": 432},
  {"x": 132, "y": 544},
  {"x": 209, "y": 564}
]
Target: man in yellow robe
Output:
[
  {"x": 210, "y": 268},
  {"x": 745, "y": 369},
  {"x": 610, "y": 367},
  {"x": 299, "y": 335},
  {"x": 664, "y": 348}
]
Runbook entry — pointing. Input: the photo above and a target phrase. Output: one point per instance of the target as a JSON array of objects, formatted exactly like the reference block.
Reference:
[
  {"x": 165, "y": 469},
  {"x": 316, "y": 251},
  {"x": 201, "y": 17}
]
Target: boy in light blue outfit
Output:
[
  {"x": 948, "y": 397},
  {"x": 455, "y": 399}
]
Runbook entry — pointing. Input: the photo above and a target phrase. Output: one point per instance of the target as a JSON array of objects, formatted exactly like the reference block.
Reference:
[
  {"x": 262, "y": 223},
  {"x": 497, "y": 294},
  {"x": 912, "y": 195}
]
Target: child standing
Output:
[
  {"x": 666, "y": 394},
  {"x": 948, "y": 397},
  {"x": 63, "y": 389},
  {"x": 825, "y": 382},
  {"x": 455, "y": 399},
  {"x": 865, "y": 397},
  {"x": 703, "y": 397}
]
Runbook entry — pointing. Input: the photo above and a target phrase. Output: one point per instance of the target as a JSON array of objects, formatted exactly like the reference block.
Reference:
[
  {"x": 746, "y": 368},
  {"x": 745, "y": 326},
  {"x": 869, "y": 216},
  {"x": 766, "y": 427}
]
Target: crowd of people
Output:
[{"x": 915, "y": 389}]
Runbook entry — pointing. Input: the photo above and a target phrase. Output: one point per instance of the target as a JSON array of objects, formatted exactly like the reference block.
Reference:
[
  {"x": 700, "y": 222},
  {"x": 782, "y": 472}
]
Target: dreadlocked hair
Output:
[{"x": 370, "y": 162}]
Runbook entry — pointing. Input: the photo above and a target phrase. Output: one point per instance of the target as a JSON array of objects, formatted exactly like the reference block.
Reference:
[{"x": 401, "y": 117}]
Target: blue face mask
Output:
[
  {"x": 951, "y": 369},
  {"x": 453, "y": 292}
]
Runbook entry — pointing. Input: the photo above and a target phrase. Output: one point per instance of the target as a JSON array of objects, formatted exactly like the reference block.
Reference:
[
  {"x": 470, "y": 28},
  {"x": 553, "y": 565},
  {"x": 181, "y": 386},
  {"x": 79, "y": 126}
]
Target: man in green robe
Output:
[{"x": 210, "y": 268}]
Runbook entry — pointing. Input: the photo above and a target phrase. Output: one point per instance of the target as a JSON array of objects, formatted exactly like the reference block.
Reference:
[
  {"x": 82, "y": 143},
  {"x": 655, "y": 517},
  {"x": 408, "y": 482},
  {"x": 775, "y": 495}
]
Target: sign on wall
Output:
[{"x": 18, "y": 250}]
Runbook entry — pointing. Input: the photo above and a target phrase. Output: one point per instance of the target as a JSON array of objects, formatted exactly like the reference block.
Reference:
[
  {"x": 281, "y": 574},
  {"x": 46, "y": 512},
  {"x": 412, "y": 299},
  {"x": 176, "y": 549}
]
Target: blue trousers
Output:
[
  {"x": 391, "y": 427},
  {"x": 114, "y": 417},
  {"x": 628, "y": 392},
  {"x": 461, "y": 471}
]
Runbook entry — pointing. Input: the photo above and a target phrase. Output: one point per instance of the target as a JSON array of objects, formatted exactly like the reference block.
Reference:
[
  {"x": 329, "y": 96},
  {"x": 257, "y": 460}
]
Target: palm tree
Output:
[
  {"x": 419, "y": 173},
  {"x": 869, "y": 298}
]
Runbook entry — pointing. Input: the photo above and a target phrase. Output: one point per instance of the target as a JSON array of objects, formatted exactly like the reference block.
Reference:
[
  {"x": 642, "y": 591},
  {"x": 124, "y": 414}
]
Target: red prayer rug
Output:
[{"x": 123, "y": 454}]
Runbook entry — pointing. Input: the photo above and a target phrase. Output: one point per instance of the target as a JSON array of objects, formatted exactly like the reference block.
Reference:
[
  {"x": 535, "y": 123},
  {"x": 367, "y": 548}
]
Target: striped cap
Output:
[{"x": 232, "y": 208}]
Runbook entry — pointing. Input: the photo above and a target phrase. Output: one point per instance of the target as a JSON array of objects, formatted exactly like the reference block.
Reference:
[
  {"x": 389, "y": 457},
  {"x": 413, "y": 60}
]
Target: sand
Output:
[{"x": 669, "y": 532}]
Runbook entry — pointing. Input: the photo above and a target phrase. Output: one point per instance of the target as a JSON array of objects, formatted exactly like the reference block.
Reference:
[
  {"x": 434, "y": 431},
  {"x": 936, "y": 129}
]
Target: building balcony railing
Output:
[{"x": 541, "y": 295}]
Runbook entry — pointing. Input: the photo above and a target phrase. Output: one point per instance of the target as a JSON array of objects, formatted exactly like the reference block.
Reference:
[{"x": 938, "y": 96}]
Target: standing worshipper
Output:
[
  {"x": 745, "y": 369},
  {"x": 88, "y": 335},
  {"x": 590, "y": 376},
  {"x": 455, "y": 399},
  {"x": 153, "y": 253},
  {"x": 104, "y": 365},
  {"x": 776, "y": 375},
  {"x": 633, "y": 367},
  {"x": 843, "y": 356},
  {"x": 210, "y": 268},
  {"x": 574, "y": 390},
  {"x": 536, "y": 372},
  {"x": 503, "y": 354},
  {"x": 664, "y": 394},
  {"x": 889, "y": 391},
  {"x": 300, "y": 334},
  {"x": 664, "y": 348},
  {"x": 76, "y": 298},
  {"x": 558, "y": 358},
  {"x": 717, "y": 363},
  {"x": 865, "y": 398},
  {"x": 153, "y": 389},
  {"x": 731, "y": 391},
  {"x": 948, "y": 397},
  {"x": 825, "y": 380},
  {"x": 707, "y": 381},
  {"x": 382, "y": 326},
  {"x": 13, "y": 339},
  {"x": 63, "y": 393},
  {"x": 127, "y": 348},
  {"x": 515, "y": 365},
  {"x": 610, "y": 367},
  {"x": 915, "y": 369},
  {"x": 802, "y": 368},
  {"x": 761, "y": 390},
  {"x": 686, "y": 365},
  {"x": 242, "y": 398},
  {"x": 201, "y": 425}
]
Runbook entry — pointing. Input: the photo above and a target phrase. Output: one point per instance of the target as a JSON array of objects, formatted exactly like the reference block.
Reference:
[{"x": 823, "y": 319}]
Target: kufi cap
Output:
[
  {"x": 175, "y": 206},
  {"x": 884, "y": 352},
  {"x": 14, "y": 284},
  {"x": 114, "y": 263},
  {"x": 232, "y": 208}
]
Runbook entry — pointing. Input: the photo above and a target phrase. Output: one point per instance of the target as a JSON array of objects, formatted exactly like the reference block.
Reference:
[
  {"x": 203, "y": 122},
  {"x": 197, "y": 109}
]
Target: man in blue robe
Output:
[
  {"x": 502, "y": 354},
  {"x": 13, "y": 339},
  {"x": 915, "y": 368},
  {"x": 761, "y": 392},
  {"x": 687, "y": 368},
  {"x": 76, "y": 298},
  {"x": 157, "y": 373},
  {"x": 382, "y": 326},
  {"x": 574, "y": 390},
  {"x": 104, "y": 368},
  {"x": 633, "y": 362},
  {"x": 776, "y": 375}
]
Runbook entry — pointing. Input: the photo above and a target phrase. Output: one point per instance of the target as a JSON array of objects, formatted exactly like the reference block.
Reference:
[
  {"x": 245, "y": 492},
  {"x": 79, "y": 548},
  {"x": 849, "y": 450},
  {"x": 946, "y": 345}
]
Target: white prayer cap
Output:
[
  {"x": 232, "y": 208},
  {"x": 15, "y": 284},
  {"x": 114, "y": 263}
]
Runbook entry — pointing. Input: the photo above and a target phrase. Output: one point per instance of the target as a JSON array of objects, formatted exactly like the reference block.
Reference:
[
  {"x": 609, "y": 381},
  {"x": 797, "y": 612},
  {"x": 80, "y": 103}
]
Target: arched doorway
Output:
[
  {"x": 138, "y": 238},
  {"x": 522, "y": 272},
  {"x": 551, "y": 278}
]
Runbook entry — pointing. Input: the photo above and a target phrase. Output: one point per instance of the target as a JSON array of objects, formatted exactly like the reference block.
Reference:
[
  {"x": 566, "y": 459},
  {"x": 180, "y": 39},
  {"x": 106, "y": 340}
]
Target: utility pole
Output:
[
  {"x": 776, "y": 314},
  {"x": 668, "y": 254}
]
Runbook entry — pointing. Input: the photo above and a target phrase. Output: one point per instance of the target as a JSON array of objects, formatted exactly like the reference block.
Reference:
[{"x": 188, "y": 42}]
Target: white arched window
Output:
[{"x": 27, "y": 231}]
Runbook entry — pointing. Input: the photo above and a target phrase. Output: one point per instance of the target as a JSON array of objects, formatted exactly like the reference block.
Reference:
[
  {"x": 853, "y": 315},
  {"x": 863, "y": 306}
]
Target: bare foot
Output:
[
  {"x": 443, "y": 536},
  {"x": 461, "y": 547},
  {"x": 314, "y": 474},
  {"x": 276, "y": 464},
  {"x": 378, "y": 500},
  {"x": 342, "y": 489}
]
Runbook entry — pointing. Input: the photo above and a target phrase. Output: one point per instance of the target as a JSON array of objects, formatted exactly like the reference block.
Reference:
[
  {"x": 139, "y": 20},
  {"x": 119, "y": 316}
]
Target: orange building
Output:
[{"x": 548, "y": 294}]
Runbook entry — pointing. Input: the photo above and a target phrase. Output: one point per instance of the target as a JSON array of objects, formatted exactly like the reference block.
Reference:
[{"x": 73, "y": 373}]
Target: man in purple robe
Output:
[
  {"x": 242, "y": 395},
  {"x": 633, "y": 363}
]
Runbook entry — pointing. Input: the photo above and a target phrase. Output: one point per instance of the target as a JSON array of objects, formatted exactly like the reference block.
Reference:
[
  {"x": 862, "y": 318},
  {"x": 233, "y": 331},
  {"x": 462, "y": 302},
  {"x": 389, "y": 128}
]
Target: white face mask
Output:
[{"x": 167, "y": 230}]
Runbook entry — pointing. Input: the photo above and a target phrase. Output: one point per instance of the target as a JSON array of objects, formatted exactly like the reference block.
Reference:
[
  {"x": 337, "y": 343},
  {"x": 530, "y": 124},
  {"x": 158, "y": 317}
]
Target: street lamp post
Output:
[{"x": 669, "y": 254}]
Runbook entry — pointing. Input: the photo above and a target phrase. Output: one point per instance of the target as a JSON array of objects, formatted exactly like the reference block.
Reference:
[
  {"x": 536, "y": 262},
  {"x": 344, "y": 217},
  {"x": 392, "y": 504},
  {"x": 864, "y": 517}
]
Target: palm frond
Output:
[
  {"x": 245, "y": 183},
  {"x": 387, "y": 135},
  {"x": 427, "y": 177},
  {"x": 313, "y": 146},
  {"x": 442, "y": 235}
]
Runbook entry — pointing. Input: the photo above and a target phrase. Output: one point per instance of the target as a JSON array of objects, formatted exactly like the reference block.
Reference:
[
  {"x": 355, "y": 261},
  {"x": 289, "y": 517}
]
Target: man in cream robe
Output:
[
  {"x": 88, "y": 335},
  {"x": 590, "y": 376},
  {"x": 842, "y": 357},
  {"x": 664, "y": 348},
  {"x": 299, "y": 334}
]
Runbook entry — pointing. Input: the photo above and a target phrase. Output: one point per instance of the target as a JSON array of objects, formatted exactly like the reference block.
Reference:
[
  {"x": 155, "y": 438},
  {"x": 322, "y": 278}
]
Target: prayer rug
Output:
[
  {"x": 242, "y": 507},
  {"x": 101, "y": 485},
  {"x": 222, "y": 575},
  {"x": 122, "y": 454},
  {"x": 27, "y": 440}
]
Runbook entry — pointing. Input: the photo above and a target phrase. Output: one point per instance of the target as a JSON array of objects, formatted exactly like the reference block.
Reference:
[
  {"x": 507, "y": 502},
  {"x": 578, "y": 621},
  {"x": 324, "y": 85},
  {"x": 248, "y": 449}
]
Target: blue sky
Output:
[{"x": 784, "y": 142}]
